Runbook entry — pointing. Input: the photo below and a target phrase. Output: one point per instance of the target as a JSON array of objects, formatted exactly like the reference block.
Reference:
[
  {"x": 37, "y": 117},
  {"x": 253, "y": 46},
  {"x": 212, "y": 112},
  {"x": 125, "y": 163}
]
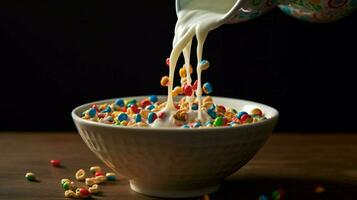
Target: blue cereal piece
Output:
[
  {"x": 153, "y": 98},
  {"x": 209, "y": 123},
  {"x": 204, "y": 64},
  {"x": 109, "y": 118},
  {"x": 150, "y": 107},
  {"x": 194, "y": 106},
  {"x": 152, "y": 117},
  {"x": 207, "y": 88},
  {"x": 185, "y": 126},
  {"x": 213, "y": 107},
  {"x": 197, "y": 124},
  {"x": 212, "y": 113},
  {"x": 137, "y": 118},
  {"x": 240, "y": 114},
  {"x": 111, "y": 176},
  {"x": 120, "y": 102},
  {"x": 107, "y": 110},
  {"x": 122, "y": 117},
  {"x": 92, "y": 112}
]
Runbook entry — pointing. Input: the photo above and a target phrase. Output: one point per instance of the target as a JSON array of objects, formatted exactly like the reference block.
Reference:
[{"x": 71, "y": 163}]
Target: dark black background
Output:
[{"x": 57, "y": 55}]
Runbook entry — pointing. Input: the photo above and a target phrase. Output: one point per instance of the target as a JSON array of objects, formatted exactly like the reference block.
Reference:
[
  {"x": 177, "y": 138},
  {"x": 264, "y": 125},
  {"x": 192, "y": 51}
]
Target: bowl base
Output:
[{"x": 171, "y": 192}]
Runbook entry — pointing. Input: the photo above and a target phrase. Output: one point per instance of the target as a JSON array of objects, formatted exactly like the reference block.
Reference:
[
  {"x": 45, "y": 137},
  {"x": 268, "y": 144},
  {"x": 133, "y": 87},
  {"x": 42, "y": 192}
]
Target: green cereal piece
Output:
[
  {"x": 218, "y": 121},
  {"x": 30, "y": 176}
]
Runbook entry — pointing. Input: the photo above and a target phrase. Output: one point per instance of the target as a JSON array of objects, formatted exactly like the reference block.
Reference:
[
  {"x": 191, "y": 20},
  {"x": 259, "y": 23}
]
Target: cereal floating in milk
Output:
[{"x": 151, "y": 112}]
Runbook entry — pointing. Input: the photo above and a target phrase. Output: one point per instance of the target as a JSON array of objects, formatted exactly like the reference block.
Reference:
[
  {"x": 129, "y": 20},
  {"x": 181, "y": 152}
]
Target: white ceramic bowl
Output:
[{"x": 179, "y": 162}]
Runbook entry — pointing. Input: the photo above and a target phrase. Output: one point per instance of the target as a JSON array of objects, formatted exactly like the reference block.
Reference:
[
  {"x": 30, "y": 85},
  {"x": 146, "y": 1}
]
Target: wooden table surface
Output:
[{"x": 293, "y": 162}]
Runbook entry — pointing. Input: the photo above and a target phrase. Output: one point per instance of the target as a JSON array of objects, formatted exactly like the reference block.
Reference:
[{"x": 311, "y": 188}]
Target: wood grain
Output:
[{"x": 294, "y": 162}]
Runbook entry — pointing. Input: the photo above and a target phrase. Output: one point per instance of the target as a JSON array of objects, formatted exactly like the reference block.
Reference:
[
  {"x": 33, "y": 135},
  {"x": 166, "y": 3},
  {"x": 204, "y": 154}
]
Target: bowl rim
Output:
[{"x": 75, "y": 117}]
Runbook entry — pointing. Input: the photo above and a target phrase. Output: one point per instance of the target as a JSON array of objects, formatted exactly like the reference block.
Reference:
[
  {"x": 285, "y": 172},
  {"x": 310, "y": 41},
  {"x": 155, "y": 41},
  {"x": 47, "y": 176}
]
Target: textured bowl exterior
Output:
[{"x": 174, "y": 162}]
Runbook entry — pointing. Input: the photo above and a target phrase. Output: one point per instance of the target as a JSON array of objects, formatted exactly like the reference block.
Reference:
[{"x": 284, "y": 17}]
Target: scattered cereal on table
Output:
[
  {"x": 80, "y": 175},
  {"x": 55, "y": 163},
  {"x": 111, "y": 176},
  {"x": 100, "y": 179},
  {"x": 94, "y": 189},
  {"x": 30, "y": 176},
  {"x": 90, "y": 181},
  {"x": 70, "y": 194}
]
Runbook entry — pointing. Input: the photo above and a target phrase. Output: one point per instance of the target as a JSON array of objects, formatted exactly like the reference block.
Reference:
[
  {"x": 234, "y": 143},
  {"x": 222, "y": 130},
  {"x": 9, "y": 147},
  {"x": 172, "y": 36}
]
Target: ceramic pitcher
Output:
[{"x": 309, "y": 10}]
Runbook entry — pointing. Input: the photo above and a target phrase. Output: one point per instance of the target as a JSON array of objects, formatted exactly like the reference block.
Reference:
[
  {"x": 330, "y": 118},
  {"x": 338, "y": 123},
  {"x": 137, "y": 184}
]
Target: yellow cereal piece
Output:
[
  {"x": 181, "y": 115},
  {"x": 178, "y": 90},
  {"x": 115, "y": 114},
  {"x": 207, "y": 104},
  {"x": 141, "y": 124},
  {"x": 123, "y": 123},
  {"x": 130, "y": 111},
  {"x": 155, "y": 110},
  {"x": 257, "y": 111},
  {"x": 70, "y": 194},
  {"x": 164, "y": 81},
  {"x": 103, "y": 106},
  {"x": 80, "y": 175},
  {"x": 90, "y": 181},
  {"x": 64, "y": 180},
  {"x": 174, "y": 94},
  {"x": 100, "y": 179},
  {"x": 207, "y": 99},
  {"x": 229, "y": 114},
  {"x": 161, "y": 105},
  {"x": 78, "y": 194},
  {"x": 144, "y": 113},
  {"x": 131, "y": 123},
  {"x": 94, "y": 189},
  {"x": 182, "y": 72},
  {"x": 95, "y": 169}
]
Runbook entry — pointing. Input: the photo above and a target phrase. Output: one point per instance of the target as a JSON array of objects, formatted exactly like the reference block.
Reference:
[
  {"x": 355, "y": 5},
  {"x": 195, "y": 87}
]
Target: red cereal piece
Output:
[
  {"x": 123, "y": 109},
  {"x": 236, "y": 120},
  {"x": 145, "y": 102},
  {"x": 187, "y": 89},
  {"x": 244, "y": 117},
  {"x": 194, "y": 87},
  {"x": 161, "y": 115},
  {"x": 225, "y": 121},
  {"x": 134, "y": 108},
  {"x": 168, "y": 61},
  {"x": 55, "y": 163},
  {"x": 95, "y": 107},
  {"x": 177, "y": 106},
  {"x": 84, "y": 192},
  {"x": 99, "y": 174},
  {"x": 220, "y": 109},
  {"x": 101, "y": 115},
  {"x": 257, "y": 111}
]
